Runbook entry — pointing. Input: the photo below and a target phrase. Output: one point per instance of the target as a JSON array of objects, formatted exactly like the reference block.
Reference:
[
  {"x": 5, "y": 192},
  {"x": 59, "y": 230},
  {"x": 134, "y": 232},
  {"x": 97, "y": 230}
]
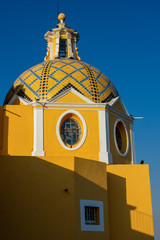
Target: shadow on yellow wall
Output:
[
  {"x": 125, "y": 221},
  {"x": 4, "y": 123},
  {"x": 40, "y": 199}
]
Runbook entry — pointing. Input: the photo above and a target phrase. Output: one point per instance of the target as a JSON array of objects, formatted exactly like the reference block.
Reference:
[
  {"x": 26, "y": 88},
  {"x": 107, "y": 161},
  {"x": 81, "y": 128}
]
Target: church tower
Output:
[{"x": 67, "y": 153}]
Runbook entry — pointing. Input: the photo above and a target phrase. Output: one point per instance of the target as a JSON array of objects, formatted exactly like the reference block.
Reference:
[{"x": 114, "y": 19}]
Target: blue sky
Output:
[{"x": 121, "y": 38}]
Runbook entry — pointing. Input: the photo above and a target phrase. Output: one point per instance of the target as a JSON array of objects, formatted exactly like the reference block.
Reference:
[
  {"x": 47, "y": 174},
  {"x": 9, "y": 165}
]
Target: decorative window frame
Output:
[
  {"x": 91, "y": 203},
  {"x": 84, "y": 130},
  {"x": 127, "y": 147}
]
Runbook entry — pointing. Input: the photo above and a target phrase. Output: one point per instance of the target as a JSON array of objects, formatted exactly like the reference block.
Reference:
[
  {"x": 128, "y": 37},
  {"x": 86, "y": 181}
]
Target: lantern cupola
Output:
[{"x": 62, "y": 41}]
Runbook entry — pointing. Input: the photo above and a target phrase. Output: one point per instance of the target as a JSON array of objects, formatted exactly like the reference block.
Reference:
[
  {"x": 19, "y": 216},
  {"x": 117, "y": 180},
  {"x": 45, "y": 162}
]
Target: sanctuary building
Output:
[{"x": 67, "y": 154}]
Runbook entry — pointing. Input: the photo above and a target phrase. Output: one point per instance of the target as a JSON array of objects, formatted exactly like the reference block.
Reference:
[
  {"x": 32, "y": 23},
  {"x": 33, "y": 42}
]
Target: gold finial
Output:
[{"x": 61, "y": 17}]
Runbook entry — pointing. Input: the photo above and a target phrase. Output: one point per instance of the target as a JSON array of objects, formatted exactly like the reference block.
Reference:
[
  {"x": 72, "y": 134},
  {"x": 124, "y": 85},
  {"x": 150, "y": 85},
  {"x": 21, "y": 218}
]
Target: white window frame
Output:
[
  {"x": 91, "y": 203},
  {"x": 84, "y": 130},
  {"x": 115, "y": 139}
]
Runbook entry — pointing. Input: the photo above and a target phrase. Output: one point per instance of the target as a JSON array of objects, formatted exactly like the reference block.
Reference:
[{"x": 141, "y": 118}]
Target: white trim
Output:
[
  {"x": 51, "y": 49},
  {"x": 57, "y": 48},
  {"x": 89, "y": 105},
  {"x": 91, "y": 203},
  {"x": 69, "y": 46},
  {"x": 78, "y": 94},
  {"x": 50, "y": 104},
  {"x": 115, "y": 112},
  {"x": 112, "y": 110},
  {"x": 19, "y": 98},
  {"x": 104, "y": 154},
  {"x": 115, "y": 100},
  {"x": 84, "y": 131},
  {"x": 38, "y": 132},
  {"x": 81, "y": 107},
  {"x": 107, "y": 130},
  {"x": 127, "y": 147},
  {"x": 105, "y": 157},
  {"x": 74, "y": 48},
  {"x": 132, "y": 144},
  {"x": 78, "y": 106},
  {"x": 123, "y": 106}
]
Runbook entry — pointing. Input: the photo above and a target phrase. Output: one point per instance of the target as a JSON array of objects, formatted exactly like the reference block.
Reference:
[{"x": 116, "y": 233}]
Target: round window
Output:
[
  {"x": 70, "y": 131},
  {"x": 121, "y": 137}
]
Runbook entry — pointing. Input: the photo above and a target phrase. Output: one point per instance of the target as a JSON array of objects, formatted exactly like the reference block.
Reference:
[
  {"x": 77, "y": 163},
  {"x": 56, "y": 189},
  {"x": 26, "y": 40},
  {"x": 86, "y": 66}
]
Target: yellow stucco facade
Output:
[
  {"x": 67, "y": 154},
  {"x": 15, "y": 135},
  {"x": 41, "y": 198}
]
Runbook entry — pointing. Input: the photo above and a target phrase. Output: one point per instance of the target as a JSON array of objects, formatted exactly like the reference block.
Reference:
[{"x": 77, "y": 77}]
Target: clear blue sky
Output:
[{"x": 121, "y": 38}]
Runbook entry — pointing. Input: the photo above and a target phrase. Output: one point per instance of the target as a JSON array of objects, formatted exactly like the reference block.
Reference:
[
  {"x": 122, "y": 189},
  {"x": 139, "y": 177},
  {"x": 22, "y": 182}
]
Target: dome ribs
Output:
[
  {"x": 44, "y": 82},
  {"x": 93, "y": 84},
  {"x": 50, "y": 78},
  {"x": 65, "y": 74},
  {"x": 68, "y": 86}
]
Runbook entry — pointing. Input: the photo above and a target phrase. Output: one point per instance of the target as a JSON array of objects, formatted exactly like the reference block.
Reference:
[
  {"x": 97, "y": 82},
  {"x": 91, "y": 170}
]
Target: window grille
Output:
[
  {"x": 91, "y": 215},
  {"x": 63, "y": 48},
  {"x": 70, "y": 131}
]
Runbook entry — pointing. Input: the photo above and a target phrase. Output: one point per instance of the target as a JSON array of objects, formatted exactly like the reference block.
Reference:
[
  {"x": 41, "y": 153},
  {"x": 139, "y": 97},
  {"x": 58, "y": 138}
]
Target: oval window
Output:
[
  {"x": 121, "y": 137},
  {"x": 70, "y": 132}
]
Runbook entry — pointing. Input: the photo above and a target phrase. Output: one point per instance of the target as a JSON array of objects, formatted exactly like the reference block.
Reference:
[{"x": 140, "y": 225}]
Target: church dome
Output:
[
  {"x": 48, "y": 79},
  {"x": 61, "y": 70}
]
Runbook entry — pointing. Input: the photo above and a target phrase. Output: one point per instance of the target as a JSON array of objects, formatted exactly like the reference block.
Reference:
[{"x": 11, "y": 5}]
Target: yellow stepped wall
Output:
[
  {"x": 130, "y": 207},
  {"x": 36, "y": 205}
]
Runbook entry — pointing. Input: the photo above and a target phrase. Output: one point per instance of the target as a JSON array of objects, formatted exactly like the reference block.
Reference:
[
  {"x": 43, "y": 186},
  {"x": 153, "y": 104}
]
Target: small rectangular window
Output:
[
  {"x": 91, "y": 215},
  {"x": 63, "y": 48}
]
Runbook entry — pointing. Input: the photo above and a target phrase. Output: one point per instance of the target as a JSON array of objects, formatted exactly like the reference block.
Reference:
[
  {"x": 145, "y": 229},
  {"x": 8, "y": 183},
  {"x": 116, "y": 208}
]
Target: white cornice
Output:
[
  {"x": 25, "y": 102},
  {"x": 118, "y": 99},
  {"x": 89, "y": 105},
  {"x": 68, "y": 105},
  {"x": 118, "y": 113},
  {"x": 113, "y": 101},
  {"x": 81, "y": 106}
]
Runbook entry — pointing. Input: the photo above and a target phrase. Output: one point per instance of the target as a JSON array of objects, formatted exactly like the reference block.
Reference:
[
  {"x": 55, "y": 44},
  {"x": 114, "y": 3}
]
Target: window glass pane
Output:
[
  {"x": 118, "y": 138},
  {"x": 91, "y": 215},
  {"x": 70, "y": 131},
  {"x": 63, "y": 48}
]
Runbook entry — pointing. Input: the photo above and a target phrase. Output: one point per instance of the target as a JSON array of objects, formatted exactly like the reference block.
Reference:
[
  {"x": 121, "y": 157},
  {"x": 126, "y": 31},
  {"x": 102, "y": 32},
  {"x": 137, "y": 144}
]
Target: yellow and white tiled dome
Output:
[
  {"x": 48, "y": 79},
  {"x": 61, "y": 70}
]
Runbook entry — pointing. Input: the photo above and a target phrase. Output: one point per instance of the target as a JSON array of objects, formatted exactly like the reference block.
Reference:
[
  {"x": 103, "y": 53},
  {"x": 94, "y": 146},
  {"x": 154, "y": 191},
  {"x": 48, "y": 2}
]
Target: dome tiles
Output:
[{"x": 50, "y": 78}]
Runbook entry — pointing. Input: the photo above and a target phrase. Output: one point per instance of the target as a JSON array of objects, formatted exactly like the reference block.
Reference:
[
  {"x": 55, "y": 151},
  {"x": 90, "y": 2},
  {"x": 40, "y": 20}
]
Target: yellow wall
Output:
[
  {"x": 40, "y": 198},
  {"x": 17, "y": 102},
  {"x": 118, "y": 106},
  {"x": 54, "y": 46},
  {"x": 1, "y": 126},
  {"x": 52, "y": 147},
  {"x": 17, "y": 130},
  {"x": 130, "y": 207},
  {"x": 90, "y": 184},
  {"x": 70, "y": 98},
  {"x": 33, "y": 201},
  {"x": 117, "y": 158}
]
